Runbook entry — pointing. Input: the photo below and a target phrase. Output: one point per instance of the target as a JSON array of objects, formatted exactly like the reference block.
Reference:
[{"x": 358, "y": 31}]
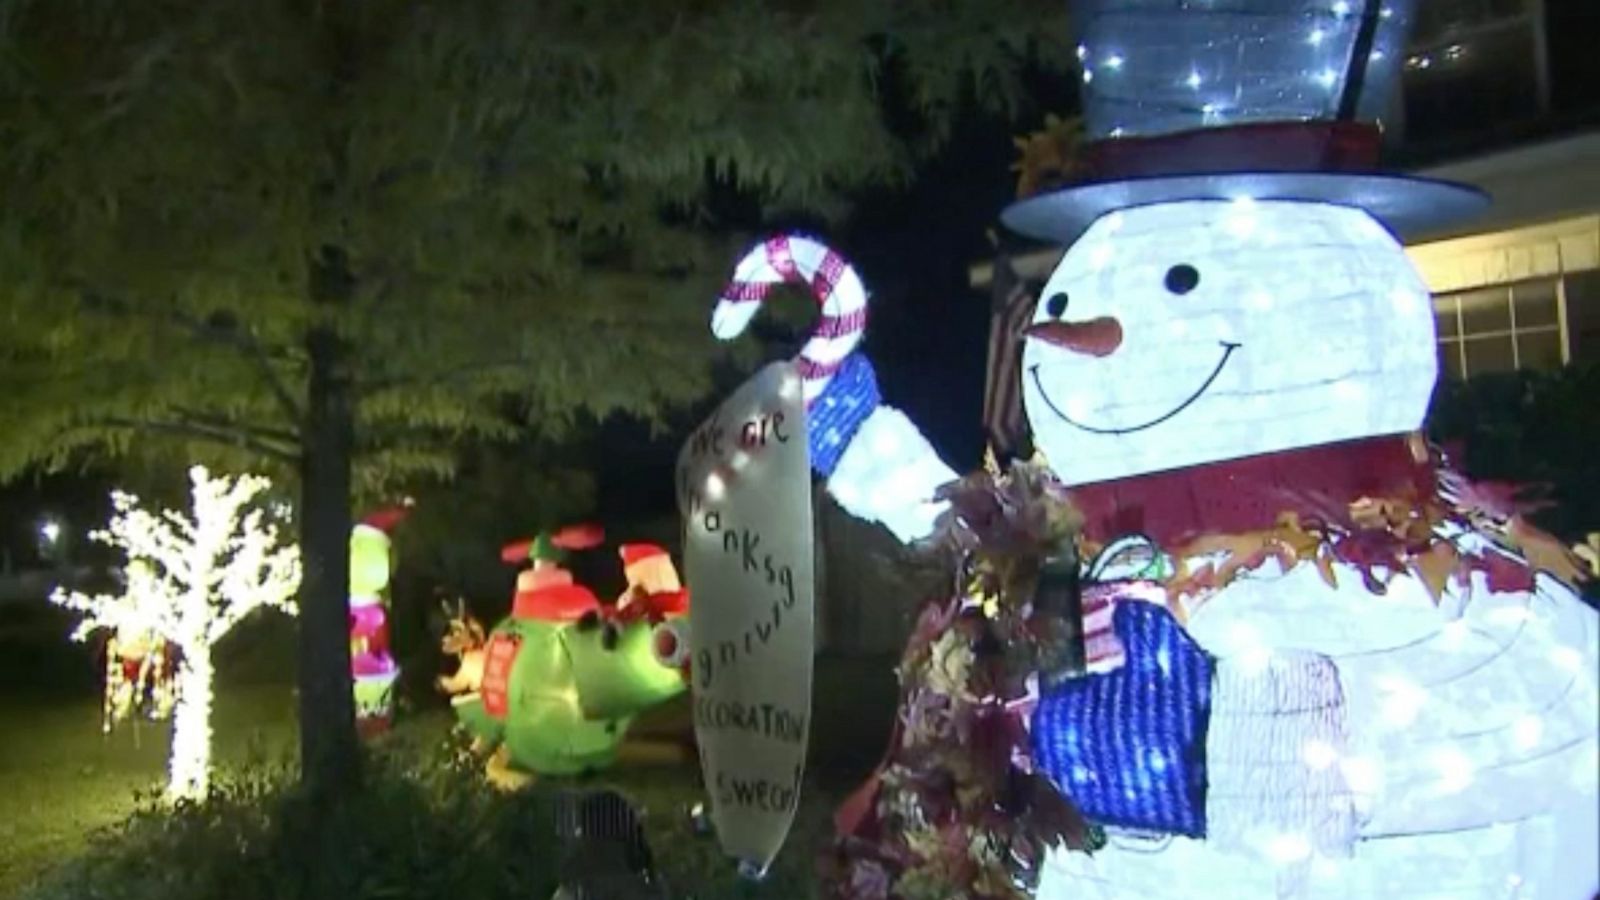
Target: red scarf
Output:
[{"x": 1242, "y": 495}]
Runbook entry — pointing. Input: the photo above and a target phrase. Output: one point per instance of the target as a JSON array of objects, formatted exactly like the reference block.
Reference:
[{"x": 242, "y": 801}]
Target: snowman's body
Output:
[
  {"x": 1360, "y": 744},
  {"x": 1468, "y": 769},
  {"x": 1468, "y": 765}
]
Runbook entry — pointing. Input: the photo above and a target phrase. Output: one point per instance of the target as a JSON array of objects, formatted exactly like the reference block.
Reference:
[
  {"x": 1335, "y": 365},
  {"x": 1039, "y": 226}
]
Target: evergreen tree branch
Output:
[
  {"x": 289, "y": 436},
  {"x": 216, "y": 434},
  {"x": 452, "y": 375},
  {"x": 219, "y": 331}
]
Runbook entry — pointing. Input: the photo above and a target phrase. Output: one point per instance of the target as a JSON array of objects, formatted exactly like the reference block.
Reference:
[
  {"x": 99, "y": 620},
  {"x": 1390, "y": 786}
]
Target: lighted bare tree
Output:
[{"x": 190, "y": 580}]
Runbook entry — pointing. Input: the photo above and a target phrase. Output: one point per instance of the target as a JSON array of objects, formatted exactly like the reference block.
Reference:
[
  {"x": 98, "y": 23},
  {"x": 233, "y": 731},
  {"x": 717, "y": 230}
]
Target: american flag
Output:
[{"x": 1010, "y": 310}]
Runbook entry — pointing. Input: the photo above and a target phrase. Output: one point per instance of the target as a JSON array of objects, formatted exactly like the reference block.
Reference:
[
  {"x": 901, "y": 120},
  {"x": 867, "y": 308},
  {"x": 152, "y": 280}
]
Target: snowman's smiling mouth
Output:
[{"x": 1227, "y": 351}]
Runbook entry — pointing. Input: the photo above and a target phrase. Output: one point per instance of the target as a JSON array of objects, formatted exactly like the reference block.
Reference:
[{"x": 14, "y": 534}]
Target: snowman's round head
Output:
[{"x": 1190, "y": 332}]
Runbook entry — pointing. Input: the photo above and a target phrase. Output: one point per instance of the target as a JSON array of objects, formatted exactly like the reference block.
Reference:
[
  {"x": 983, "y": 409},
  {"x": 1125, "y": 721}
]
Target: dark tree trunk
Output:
[{"x": 330, "y": 753}]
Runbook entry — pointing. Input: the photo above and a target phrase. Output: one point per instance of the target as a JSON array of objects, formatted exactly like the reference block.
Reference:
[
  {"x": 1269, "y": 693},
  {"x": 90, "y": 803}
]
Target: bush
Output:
[
  {"x": 428, "y": 830},
  {"x": 1533, "y": 428}
]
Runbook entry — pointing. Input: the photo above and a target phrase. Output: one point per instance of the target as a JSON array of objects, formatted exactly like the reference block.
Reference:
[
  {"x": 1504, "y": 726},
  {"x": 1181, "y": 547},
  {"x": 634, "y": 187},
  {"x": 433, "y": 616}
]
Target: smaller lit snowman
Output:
[{"x": 1320, "y": 665}]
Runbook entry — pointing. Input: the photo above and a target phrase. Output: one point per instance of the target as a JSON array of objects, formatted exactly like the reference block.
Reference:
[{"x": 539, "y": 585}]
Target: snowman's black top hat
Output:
[{"x": 1223, "y": 99}]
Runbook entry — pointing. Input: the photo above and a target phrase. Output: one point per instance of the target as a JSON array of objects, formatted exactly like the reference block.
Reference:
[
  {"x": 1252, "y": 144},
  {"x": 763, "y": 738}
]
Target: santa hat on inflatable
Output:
[
  {"x": 387, "y": 518},
  {"x": 649, "y": 566},
  {"x": 654, "y": 590}
]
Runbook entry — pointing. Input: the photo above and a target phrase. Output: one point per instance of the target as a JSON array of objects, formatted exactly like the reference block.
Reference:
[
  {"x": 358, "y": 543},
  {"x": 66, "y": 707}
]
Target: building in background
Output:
[{"x": 1504, "y": 95}]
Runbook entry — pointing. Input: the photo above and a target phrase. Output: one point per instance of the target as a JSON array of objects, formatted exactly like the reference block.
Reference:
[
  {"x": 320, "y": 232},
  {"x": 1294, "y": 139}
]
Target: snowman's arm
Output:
[
  {"x": 877, "y": 464},
  {"x": 1278, "y": 732}
]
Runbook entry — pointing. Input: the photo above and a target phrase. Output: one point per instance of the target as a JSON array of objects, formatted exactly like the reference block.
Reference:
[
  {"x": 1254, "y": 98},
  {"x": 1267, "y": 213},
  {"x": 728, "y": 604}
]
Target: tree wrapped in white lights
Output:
[{"x": 190, "y": 580}]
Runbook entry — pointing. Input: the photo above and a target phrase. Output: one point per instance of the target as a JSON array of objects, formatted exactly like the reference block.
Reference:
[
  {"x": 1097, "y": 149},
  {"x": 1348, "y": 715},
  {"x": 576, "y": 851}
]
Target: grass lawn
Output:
[{"x": 61, "y": 780}]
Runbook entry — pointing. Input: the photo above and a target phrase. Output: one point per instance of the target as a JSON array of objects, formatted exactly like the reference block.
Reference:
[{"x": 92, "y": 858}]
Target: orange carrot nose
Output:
[{"x": 1096, "y": 337}]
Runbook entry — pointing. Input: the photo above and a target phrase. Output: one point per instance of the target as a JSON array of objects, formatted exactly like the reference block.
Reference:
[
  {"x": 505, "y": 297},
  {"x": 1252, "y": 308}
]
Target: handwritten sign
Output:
[{"x": 744, "y": 489}]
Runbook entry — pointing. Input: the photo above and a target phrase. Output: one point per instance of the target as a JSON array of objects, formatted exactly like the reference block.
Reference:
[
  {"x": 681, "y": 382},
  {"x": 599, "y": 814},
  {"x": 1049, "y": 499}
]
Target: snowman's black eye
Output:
[
  {"x": 1056, "y": 306},
  {"x": 1182, "y": 278}
]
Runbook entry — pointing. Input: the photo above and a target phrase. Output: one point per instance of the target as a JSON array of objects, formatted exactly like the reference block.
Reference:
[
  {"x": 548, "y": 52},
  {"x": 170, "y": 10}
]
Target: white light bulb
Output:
[
  {"x": 1319, "y": 755},
  {"x": 1510, "y": 616},
  {"x": 1193, "y": 80},
  {"x": 1386, "y": 13},
  {"x": 1363, "y": 775},
  {"x": 1455, "y": 770},
  {"x": 1404, "y": 298},
  {"x": 1241, "y": 220},
  {"x": 1527, "y": 731},
  {"x": 1327, "y": 77},
  {"x": 1286, "y": 849},
  {"x": 1403, "y": 701},
  {"x": 1316, "y": 36},
  {"x": 1352, "y": 392},
  {"x": 1255, "y": 661},
  {"x": 1567, "y": 658},
  {"x": 1341, "y": 8},
  {"x": 1251, "y": 653},
  {"x": 1088, "y": 76},
  {"x": 1377, "y": 56},
  {"x": 1083, "y": 52}
]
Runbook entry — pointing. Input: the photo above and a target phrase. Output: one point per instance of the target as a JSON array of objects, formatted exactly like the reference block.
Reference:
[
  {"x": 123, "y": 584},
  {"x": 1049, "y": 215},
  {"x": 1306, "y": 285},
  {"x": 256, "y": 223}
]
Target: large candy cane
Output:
[
  {"x": 832, "y": 281},
  {"x": 877, "y": 464}
]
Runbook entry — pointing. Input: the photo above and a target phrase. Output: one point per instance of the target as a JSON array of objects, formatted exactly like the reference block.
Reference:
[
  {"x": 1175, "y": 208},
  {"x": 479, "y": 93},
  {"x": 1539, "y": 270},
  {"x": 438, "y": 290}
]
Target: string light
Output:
[
  {"x": 1527, "y": 731},
  {"x": 1455, "y": 770},
  {"x": 1285, "y": 849},
  {"x": 1274, "y": 71},
  {"x": 1403, "y": 700},
  {"x": 192, "y": 578},
  {"x": 1319, "y": 754}
]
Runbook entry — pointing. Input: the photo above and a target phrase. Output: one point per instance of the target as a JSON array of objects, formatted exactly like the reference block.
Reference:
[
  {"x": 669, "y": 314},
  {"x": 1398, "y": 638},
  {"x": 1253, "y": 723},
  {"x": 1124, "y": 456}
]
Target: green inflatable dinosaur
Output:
[{"x": 564, "y": 675}]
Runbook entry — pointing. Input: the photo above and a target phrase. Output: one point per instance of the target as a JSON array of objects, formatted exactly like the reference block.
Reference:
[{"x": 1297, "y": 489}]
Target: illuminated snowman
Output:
[
  {"x": 1320, "y": 666},
  {"x": 1199, "y": 369}
]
